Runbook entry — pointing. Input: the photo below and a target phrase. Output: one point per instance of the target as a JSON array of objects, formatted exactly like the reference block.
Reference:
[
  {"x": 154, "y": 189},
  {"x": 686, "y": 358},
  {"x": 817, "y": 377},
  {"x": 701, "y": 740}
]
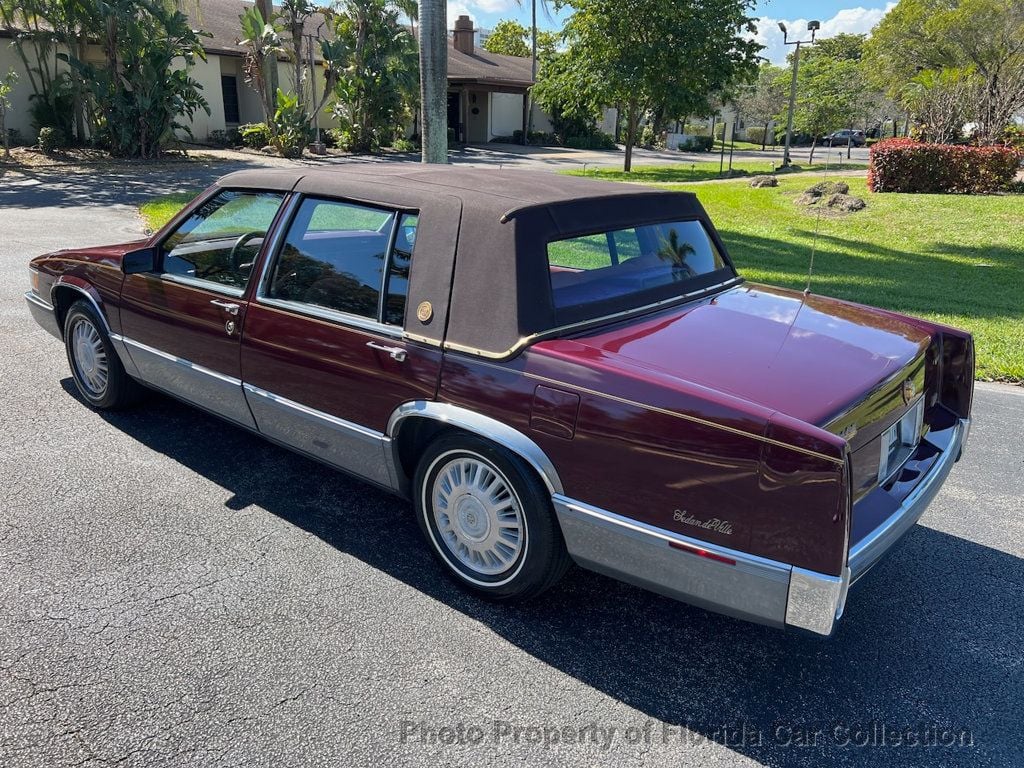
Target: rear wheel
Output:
[
  {"x": 488, "y": 518},
  {"x": 99, "y": 376}
]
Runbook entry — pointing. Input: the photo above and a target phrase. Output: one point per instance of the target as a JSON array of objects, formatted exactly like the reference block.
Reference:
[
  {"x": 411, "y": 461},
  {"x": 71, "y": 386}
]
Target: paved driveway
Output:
[{"x": 178, "y": 592}]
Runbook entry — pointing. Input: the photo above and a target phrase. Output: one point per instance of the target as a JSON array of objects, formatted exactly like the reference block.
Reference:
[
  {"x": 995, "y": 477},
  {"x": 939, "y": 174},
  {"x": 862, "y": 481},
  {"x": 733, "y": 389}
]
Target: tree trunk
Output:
[
  {"x": 269, "y": 67},
  {"x": 631, "y": 118},
  {"x": 764, "y": 136},
  {"x": 297, "y": 30},
  {"x": 434, "y": 80},
  {"x": 814, "y": 143}
]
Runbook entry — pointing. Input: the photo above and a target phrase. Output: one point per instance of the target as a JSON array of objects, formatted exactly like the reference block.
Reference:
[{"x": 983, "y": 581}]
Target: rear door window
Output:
[{"x": 346, "y": 257}]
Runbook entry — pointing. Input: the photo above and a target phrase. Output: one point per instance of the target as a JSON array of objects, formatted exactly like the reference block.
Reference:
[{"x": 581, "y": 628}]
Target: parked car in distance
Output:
[
  {"x": 845, "y": 137},
  {"x": 552, "y": 369}
]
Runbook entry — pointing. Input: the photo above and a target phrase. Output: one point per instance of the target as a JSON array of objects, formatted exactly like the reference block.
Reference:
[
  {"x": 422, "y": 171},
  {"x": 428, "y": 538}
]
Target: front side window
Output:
[
  {"x": 220, "y": 241},
  {"x": 628, "y": 268},
  {"x": 335, "y": 257}
]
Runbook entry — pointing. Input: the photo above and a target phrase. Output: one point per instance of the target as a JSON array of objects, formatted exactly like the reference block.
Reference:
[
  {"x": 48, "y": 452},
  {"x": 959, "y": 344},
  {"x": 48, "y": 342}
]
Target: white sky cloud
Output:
[{"x": 851, "y": 20}]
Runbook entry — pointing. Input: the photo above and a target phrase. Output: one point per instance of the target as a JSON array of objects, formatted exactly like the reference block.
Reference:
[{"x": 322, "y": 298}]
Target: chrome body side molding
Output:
[
  {"x": 485, "y": 426},
  {"x": 342, "y": 444},
  {"x": 866, "y": 552},
  {"x": 217, "y": 393},
  {"x": 719, "y": 579}
]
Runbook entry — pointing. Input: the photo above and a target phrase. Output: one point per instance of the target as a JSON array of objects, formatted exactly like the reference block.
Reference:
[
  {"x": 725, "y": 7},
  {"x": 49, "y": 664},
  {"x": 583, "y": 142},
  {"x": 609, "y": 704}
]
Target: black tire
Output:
[
  {"x": 541, "y": 559},
  {"x": 118, "y": 390}
]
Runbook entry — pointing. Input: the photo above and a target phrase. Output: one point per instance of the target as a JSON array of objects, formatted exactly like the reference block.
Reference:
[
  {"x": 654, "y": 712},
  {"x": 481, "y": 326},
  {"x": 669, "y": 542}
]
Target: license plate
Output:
[{"x": 900, "y": 440}]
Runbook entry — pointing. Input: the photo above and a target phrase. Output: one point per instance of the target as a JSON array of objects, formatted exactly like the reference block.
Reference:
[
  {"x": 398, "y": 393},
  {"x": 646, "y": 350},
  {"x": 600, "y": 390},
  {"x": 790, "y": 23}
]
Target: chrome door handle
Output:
[
  {"x": 396, "y": 353},
  {"x": 227, "y": 306}
]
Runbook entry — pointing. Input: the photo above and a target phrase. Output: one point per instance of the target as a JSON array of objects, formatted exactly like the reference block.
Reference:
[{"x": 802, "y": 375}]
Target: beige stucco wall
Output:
[{"x": 17, "y": 115}]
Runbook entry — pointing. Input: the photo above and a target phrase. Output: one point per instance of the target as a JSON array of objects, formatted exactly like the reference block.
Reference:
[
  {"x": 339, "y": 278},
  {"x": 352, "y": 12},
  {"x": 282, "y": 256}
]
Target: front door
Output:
[
  {"x": 323, "y": 357},
  {"x": 182, "y": 323}
]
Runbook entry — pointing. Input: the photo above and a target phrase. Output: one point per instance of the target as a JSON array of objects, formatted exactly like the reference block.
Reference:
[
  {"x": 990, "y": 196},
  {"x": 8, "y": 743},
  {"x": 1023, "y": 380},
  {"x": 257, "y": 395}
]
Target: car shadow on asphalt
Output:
[{"x": 929, "y": 641}]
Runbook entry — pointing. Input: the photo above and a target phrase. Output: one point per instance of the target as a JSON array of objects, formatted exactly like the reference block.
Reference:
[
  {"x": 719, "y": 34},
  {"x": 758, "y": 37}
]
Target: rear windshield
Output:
[{"x": 628, "y": 268}]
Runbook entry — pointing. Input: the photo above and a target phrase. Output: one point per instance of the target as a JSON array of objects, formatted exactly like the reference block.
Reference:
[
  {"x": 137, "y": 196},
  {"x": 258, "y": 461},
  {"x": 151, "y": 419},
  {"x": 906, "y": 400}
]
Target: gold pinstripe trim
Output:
[{"x": 676, "y": 414}]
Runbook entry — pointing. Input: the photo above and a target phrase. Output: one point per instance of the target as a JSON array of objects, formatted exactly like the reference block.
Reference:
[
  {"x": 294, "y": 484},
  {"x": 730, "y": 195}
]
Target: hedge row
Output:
[{"x": 905, "y": 165}]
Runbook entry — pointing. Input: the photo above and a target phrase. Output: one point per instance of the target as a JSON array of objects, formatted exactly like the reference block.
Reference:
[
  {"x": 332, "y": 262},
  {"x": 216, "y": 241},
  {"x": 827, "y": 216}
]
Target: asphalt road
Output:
[{"x": 178, "y": 592}]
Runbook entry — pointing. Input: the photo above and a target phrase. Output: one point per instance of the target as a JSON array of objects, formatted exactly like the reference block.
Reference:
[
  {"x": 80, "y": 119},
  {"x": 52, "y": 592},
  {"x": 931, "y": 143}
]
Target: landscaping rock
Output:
[
  {"x": 828, "y": 188},
  {"x": 764, "y": 181},
  {"x": 269, "y": 150},
  {"x": 845, "y": 203},
  {"x": 808, "y": 199}
]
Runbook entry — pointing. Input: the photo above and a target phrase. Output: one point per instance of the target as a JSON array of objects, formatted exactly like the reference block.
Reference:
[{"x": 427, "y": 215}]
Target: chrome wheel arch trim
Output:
[
  {"x": 61, "y": 283},
  {"x": 484, "y": 426}
]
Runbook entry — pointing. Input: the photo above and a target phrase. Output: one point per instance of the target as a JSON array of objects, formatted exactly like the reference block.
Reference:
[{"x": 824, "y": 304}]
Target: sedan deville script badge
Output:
[{"x": 713, "y": 524}]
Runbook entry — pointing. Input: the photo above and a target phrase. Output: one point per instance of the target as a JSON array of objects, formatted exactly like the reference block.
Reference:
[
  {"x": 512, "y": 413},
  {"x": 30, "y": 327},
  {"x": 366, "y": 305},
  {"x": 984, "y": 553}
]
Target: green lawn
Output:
[
  {"x": 160, "y": 210},
  {"x": 952, "y": 258},
  {"x": 702, "y": 171}
]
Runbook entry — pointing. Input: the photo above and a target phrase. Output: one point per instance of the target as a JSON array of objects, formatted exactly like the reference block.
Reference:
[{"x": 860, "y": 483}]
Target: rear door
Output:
[
  {"x": 182, "y": 322},
  {"x": 325, "y": 359}
]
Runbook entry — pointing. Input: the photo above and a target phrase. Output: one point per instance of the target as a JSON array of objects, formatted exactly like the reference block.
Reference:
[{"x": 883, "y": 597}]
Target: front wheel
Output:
[
  {"x": 488, "y": 518},
  {"x": 99, "y": 376}
]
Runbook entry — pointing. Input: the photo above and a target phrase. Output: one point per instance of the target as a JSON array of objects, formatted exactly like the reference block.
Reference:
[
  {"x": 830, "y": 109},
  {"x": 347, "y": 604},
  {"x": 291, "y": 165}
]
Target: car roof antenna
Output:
[{"x": 817, "y": 226}]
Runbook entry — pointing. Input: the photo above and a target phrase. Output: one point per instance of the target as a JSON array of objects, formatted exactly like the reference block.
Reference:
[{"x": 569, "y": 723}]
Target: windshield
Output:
[{"x": 628, "y": 268}]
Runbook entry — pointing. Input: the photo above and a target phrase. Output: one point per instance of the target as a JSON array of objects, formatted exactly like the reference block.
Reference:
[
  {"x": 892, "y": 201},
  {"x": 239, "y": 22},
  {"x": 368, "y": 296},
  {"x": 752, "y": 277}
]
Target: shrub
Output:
[
  {"x": 291, "y": 125},
  {"x": 905, "y": 165},
  {"x": 697, "y": 144},
  {"x": 255, "y": 135},
  {"x": 1013, "y": 136},
  {"x": 405, "y": 145},
  {"x": 596, "y": 140},
  {"x": 228, "y": 138},
  {"x": 696, "y": 129},
  {"x": 757, "y": 136},
  {"x": 50, "y": 139}
]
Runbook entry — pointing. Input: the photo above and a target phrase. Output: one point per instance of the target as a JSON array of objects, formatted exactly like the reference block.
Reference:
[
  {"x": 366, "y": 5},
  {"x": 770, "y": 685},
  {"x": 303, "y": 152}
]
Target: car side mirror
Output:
[{"x": 142, "y": 260}]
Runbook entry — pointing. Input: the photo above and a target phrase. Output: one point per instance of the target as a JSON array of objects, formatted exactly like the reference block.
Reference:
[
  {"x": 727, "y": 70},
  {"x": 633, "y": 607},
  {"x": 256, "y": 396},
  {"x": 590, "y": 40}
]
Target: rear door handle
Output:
[
  {"x": 227, "y": 306},
  {"x": 396, "y": 353}
]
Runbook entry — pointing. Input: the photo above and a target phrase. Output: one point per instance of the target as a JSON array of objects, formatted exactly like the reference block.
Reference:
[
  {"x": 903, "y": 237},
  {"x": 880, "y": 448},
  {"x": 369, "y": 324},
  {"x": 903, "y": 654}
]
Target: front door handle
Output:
[
  {"x": 229, "y": 307},
  {"x": 396, "y": 353}
]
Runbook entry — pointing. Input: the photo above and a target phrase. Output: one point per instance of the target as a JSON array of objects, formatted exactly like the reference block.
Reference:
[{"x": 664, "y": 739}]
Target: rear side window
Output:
[
  {"x": 336, "y": 256},
  {"x": 220, "y": 241},
  {"x": 629, "y": 267}
]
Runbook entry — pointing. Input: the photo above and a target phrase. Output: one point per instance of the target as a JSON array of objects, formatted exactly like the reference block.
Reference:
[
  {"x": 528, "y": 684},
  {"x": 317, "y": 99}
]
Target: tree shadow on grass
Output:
[{"x": 930, "y": 639}]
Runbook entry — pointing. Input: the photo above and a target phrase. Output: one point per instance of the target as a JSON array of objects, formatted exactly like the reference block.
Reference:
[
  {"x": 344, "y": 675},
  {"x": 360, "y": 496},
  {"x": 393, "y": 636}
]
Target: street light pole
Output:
[{"x": 813, "y": 27}]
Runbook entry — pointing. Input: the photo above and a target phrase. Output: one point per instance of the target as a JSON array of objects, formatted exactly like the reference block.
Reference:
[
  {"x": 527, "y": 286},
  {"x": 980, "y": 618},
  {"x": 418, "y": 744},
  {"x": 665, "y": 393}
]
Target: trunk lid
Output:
[{"x": 809, "y": 357}]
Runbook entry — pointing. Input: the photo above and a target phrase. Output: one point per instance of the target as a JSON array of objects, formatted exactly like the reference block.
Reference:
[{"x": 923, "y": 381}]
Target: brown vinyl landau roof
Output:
[{"x": 481, "y": 244}]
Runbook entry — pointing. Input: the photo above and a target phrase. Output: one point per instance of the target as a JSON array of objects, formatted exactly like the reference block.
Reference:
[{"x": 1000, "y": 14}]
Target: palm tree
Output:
[{"x": 434, "y": 80}]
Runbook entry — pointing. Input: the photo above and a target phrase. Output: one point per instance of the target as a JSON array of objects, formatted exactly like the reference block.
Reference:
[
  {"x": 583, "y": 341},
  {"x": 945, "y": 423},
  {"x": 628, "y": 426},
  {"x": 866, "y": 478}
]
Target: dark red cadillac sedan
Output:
[{"x": 552, "y": 369}]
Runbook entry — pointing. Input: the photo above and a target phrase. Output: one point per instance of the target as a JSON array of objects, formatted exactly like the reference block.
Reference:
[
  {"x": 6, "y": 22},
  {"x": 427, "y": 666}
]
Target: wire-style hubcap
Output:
[
  {"x": 90, "y": 357},
  {"x": 477, "y": 515}
]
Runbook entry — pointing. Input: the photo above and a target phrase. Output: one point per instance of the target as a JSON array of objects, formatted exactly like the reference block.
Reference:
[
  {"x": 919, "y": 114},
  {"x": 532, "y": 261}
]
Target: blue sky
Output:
[{"x": 835, "y": 16}]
